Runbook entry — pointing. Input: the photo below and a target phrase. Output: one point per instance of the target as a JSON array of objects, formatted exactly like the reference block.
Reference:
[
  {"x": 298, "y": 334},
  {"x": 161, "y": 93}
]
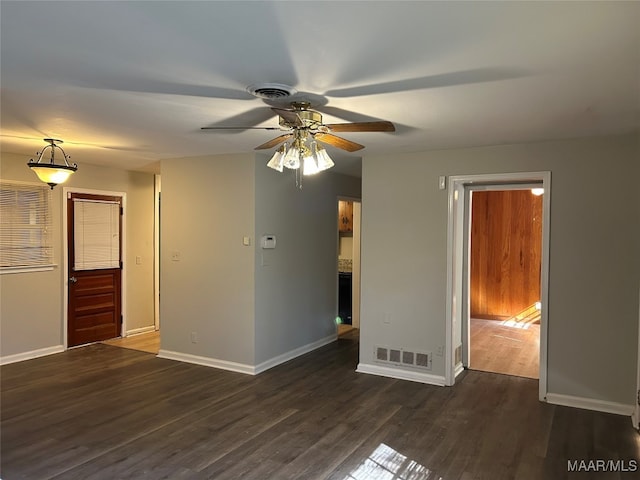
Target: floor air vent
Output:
[
  {"x": 407, "y": 358},
  {"x": 394, "y": 356},
  {"x": 399, "y": 356},
  {"x": 382, "y": 354},
  {"x": 423, "y": 360}
]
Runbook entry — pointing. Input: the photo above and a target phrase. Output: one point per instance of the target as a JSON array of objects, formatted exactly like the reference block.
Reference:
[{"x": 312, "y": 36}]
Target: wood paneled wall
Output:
[{"x": 506, "y": 245}]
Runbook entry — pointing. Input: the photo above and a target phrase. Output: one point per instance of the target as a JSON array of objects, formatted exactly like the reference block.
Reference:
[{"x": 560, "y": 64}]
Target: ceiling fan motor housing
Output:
[{"x": 310, "y": 118}]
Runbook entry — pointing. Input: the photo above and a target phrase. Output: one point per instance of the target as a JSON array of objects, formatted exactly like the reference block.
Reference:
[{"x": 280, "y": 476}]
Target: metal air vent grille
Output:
[{"x": 271, "y": 91}]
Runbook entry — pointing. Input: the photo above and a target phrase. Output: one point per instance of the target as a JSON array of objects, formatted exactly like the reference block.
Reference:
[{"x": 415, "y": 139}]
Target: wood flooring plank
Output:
[{"x": 102, "y": 412}]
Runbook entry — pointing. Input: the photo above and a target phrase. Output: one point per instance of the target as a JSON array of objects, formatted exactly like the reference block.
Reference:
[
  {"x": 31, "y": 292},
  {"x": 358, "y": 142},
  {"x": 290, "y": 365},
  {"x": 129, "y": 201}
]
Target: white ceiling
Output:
[{"x": 130, "y": 83}]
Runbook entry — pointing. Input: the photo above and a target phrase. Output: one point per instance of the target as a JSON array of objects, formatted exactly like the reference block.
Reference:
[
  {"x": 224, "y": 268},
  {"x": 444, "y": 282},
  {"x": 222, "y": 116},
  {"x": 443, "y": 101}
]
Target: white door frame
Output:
[
  {"x": 457, "y": 270},
  {"x": 636, "y": 409},
  {"x": 156, "y": 251},
  {"x": 66, "y": 192}
]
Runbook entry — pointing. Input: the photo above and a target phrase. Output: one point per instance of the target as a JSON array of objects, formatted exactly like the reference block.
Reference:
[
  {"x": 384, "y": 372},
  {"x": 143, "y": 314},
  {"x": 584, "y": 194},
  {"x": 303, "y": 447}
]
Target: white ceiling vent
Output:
[{"x": 271, "y": 91}]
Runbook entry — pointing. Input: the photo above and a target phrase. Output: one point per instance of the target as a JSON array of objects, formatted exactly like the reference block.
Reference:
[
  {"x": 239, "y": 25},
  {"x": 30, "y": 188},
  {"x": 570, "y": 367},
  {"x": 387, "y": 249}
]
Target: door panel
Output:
[{"x": 95, "y": 298}]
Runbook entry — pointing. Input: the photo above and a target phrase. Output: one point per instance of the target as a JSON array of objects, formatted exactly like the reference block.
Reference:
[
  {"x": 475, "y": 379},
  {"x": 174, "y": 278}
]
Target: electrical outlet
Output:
[
  {"x": 194, "y": 337},
  {"x": 440, "y": 350},
  {"x": 175, "y": 256}
]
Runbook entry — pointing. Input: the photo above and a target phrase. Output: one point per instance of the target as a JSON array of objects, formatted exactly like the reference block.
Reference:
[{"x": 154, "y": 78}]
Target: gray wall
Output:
[
  {"x": 28, "y": 325},
  {"x": 247, "y": 305},
  {"x": 207, "y": 208},
  {"x": 594, "y": 255},
  {"x": 296, "y": 284}
]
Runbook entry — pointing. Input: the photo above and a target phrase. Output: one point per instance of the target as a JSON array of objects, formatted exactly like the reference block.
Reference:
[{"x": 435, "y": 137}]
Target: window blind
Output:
[
  {"x": 96, "y": 234},
  {"x": 25, "y": 225}
]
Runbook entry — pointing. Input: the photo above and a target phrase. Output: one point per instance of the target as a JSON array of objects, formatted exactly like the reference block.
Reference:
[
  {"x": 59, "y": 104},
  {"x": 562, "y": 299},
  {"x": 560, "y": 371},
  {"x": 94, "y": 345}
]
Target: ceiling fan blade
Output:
[
  {"x": 151, "y": 85},
  {"x": 250, "y": 118},
  {"x": 381, "y": 126},
  {"x": 290, "y": 116},
  {"x": 339, "y": 142},
  {"x": 78, "y": 144},
  {"x": 273, "y": 142},
  {"x": 462, "y": 77},
  {"x": 240, "y": 128}
]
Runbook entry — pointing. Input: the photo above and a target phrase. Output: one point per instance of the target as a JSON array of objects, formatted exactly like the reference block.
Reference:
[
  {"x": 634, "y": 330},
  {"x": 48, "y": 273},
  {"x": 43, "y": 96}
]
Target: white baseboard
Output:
[
  {"x": 410, "y": 375},
  {"x": 590, "y": 404},
  {"x": 207, "y": 362},
  {"x": 242, "y": 367},
  {"x": 20, "y": 357},
  {"x": 458, "y": 370},
  {"x": 141, "y": 330},
  {"x": 290, "y": 355}
]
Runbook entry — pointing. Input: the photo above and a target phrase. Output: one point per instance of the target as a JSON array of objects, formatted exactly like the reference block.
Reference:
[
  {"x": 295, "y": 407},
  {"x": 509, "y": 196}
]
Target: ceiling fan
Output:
[
  {"x": 304, "y": 126},
  {"x": 301, "y": 121}
]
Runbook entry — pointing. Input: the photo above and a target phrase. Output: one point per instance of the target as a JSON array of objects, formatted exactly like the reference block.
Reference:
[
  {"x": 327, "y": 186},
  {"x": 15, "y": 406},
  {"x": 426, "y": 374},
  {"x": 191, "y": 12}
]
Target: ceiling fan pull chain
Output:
[{"x": 300, "y": 172}]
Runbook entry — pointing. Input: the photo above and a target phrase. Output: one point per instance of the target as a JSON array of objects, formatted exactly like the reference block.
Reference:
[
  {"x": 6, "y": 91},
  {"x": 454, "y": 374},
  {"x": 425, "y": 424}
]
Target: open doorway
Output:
[
  {"x": 504, "y": 280},
  {"x": 348, "y": 317},
  {"x": 457, "y": 349},
  {"x": 147, "y": 339}
]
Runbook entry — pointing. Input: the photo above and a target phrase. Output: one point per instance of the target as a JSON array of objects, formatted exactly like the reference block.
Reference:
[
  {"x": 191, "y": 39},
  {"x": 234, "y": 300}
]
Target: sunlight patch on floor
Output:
[
  {"x": 524, "y": 319},
  {"x": 515, "y": 324},
  {"x": 387, "y": 464}
]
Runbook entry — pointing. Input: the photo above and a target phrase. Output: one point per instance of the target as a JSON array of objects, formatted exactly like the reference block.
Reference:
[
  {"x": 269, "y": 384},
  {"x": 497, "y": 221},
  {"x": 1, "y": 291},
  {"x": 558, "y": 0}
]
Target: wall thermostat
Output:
[{"x": 268, "y": 241}]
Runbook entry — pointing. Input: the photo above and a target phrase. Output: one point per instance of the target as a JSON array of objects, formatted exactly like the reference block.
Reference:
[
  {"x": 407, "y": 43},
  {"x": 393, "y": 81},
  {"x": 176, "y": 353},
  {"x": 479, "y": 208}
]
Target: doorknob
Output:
[{"x": 73, "y": 279}]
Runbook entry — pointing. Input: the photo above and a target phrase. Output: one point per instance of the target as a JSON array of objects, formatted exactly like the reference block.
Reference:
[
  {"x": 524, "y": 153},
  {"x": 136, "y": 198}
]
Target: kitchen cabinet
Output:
[{"x": 345, "y": 216}]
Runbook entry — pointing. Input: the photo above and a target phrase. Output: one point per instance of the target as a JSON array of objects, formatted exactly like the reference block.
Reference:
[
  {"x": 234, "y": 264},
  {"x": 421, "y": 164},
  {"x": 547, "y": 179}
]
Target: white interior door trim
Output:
[
  {"x": 456, "y": 230},
  {"x": 66, "y": 192},
  {"x": 636, "y": 410},
  {"x": 156, "y": 252}
]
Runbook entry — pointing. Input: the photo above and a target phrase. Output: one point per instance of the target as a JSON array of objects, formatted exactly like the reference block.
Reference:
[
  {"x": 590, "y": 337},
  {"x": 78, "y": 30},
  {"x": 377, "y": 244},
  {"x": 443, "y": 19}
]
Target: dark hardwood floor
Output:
[{"x": 102, "y": 412}]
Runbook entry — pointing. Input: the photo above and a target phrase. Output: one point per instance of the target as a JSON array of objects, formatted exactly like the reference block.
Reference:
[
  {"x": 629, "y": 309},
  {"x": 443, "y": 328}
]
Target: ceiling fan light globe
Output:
[
  {"x": 277, "y": 161},
  {"x": 324, "y": 160},
  {"x": 311, "y": 165},
  {"x": 292, "y": 158}
]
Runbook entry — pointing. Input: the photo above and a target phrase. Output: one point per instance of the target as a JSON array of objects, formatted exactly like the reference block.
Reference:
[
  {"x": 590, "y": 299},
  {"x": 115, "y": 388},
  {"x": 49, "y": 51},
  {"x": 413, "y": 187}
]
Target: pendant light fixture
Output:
[
  {"x": 302, "y": 154},
  {"x": 52, "y": 173}
]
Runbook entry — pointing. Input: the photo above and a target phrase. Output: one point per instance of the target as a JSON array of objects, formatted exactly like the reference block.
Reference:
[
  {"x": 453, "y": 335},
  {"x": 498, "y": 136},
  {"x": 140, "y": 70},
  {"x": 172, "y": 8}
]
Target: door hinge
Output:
[
  {"x": 120, "y": 264},
  {"x": 121, "y": 319}
]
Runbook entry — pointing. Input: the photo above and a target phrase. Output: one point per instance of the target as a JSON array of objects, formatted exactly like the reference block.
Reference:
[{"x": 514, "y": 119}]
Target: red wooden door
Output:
[{"x": 94, "y": 309}]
